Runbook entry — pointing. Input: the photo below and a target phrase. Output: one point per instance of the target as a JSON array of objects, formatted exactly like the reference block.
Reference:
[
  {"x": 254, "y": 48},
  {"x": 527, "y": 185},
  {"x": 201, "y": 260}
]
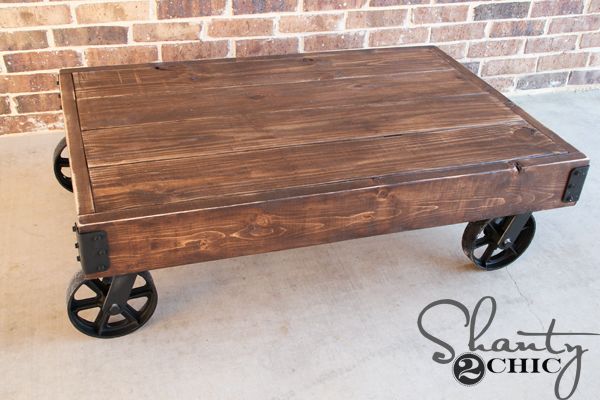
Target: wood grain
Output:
[
  {"x": 197, "y": 75},
  {"x": 201, "y": 160},
  {"x": 167, "y": 181},
  {"x": 80, "y": 175},
  {"x": 232, "y": 132},
  {"x": 209, "y": 234},
  {"x": 104, "y": 112}
]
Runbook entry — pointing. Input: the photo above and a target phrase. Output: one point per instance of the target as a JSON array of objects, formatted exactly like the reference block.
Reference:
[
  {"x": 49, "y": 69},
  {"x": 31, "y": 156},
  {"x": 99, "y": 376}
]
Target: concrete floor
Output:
[{"x": 328, "y": 322}]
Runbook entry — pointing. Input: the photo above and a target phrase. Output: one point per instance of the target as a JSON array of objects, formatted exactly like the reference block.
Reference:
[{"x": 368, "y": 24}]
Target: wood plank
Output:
[
  {"x": 496, "y": 94},
  {"x": 79, "y": 170},
  {"x": 106, "y": 112},
  {"x": 211, "y": 234},
  {"x": 239, "y": 132},
  {"x": 171, "y": 77},
  {"x": 175, "y": 180}
]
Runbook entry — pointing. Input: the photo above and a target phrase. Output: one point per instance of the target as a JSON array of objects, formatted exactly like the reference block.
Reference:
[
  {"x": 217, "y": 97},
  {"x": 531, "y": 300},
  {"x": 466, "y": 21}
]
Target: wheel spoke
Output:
[
  {"x": 63, "y": 162},
  {"x": 85, "y": 304},
  {"x": 142, "y": 291},
  {"x": 131, "y": 314},
  {"x": 96, "y": 286},
  {"x": 481, "y": 242},
  {"x": 487, "y": 254},
  {"x": 100, "y": 322}
]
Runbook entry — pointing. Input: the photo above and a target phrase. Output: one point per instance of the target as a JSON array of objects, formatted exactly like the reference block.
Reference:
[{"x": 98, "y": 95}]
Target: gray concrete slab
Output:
[{"x": 327, "y": 322}]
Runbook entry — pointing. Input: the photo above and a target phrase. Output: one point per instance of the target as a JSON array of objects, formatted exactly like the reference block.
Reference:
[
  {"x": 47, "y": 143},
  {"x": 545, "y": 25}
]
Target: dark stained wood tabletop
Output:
[{"x": 200, "y": 160}]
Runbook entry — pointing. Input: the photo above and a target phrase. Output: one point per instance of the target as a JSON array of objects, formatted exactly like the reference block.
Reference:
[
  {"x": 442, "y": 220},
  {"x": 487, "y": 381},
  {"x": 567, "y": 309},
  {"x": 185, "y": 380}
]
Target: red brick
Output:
[
  {"x": 549, "y": 44},
  {"x": 4, "y": 105},
  {"x": 91, "y": 35},
  {"x": 28, "y": 83},
  {"x": 38, "y": 102},
  {"x": 23, "y": 40},
  {"x": 319, "y": 5},
  {"x": 195, "y": 51},
  {"x": 351, "y": 40},
  {"x": 166, "y": 31},
  {"x": 451, "y": 33},
  {"x": 33, "y": 61},
  {"x": 472, "y": 66},
  {"x": 30, "y": 123},
  {"x": 109, "y": 12},
  {"x": 264, "y": 6},
  {"x": 541, "y": 81},
  {"x": 503, "y": 84},
  {"x": 397, "y": 36},
  {"x": 492, "y": 48},
  {"x": 508, "y": 66},
  {"x": 188, "y": 8},
  {"x": 14, "y": 17},
  {"x": 383, "y": 3},
  {"x": 517, "y": 28},
  {"x": 311, "y": 23},
  {"x": 594, "y": 60},
  {"x": 562, "y": 61},
  {"x": 433, "y": 15},
  {"x": 265, "y": 47},
  {"x": 120, "y": 55},
  {"x": 590, "y": 40},
  {"x": 556, "y": 7},
  {"x": 585, "y": 77},
  {"x": 501, "y": 11},
  {"x": 375, "y": 18},
  {"x": 575, "y": 24},
  {"x": 240, "y": 27},
  {"x": 594, "y": 6},
  {"x": 455, "y": 50}
]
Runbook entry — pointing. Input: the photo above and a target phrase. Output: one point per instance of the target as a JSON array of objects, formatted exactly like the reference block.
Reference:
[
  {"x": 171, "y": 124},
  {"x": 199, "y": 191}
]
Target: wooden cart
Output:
[{"x": 178, "y": 163}]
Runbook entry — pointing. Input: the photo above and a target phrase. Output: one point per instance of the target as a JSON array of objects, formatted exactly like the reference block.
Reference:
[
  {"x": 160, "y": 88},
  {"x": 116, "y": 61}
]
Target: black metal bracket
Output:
[
  {"x": 93, "y": 251},
  {"x": 514, "y": 227},
  {"x": 575, "y": 184},
  {"x": 118, "y": 294}
]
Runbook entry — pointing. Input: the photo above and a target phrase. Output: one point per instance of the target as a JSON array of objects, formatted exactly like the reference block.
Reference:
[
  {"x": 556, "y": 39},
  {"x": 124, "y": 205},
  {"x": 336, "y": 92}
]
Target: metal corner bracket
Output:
[
  {"x": 93, "y": 251},
  {"x": 575, "y": 184}
]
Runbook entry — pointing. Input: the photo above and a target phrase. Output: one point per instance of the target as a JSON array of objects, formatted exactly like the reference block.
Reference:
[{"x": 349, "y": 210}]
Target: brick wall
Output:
[{"x": 514, "y": 45}]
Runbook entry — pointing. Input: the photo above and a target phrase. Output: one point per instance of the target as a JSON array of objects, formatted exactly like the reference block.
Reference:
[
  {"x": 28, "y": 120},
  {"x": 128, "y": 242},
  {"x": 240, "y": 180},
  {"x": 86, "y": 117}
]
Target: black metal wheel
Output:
[
  {"x": 62, "y": 164},
  {"x": 95, "y": 312},
  {"x": 487, "y": 245}
]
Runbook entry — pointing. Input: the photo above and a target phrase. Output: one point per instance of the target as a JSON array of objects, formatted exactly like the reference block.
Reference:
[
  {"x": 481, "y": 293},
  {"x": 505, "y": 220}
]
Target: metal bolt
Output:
[
  {"x": 570, "y": 198},
  {"x": 74, "y": 228},
  {"x": 101, "y": 268},
  {"x": 97, "y": 237},
  {"x": 76, "y": 245},
  {"x": 101, "y": 252},
  {"x": 78, "y": 258},
  {"x": 507, "y": 242},
  {"x": 114, "y": 309}
]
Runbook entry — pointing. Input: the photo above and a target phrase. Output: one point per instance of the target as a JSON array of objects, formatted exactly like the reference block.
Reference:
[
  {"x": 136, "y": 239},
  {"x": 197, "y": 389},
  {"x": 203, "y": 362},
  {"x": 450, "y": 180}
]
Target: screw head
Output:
[
  {"x": 114, "y": 309},
  {"x": 101, "y": 268},
  {"x": 101, "y": 252}
]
